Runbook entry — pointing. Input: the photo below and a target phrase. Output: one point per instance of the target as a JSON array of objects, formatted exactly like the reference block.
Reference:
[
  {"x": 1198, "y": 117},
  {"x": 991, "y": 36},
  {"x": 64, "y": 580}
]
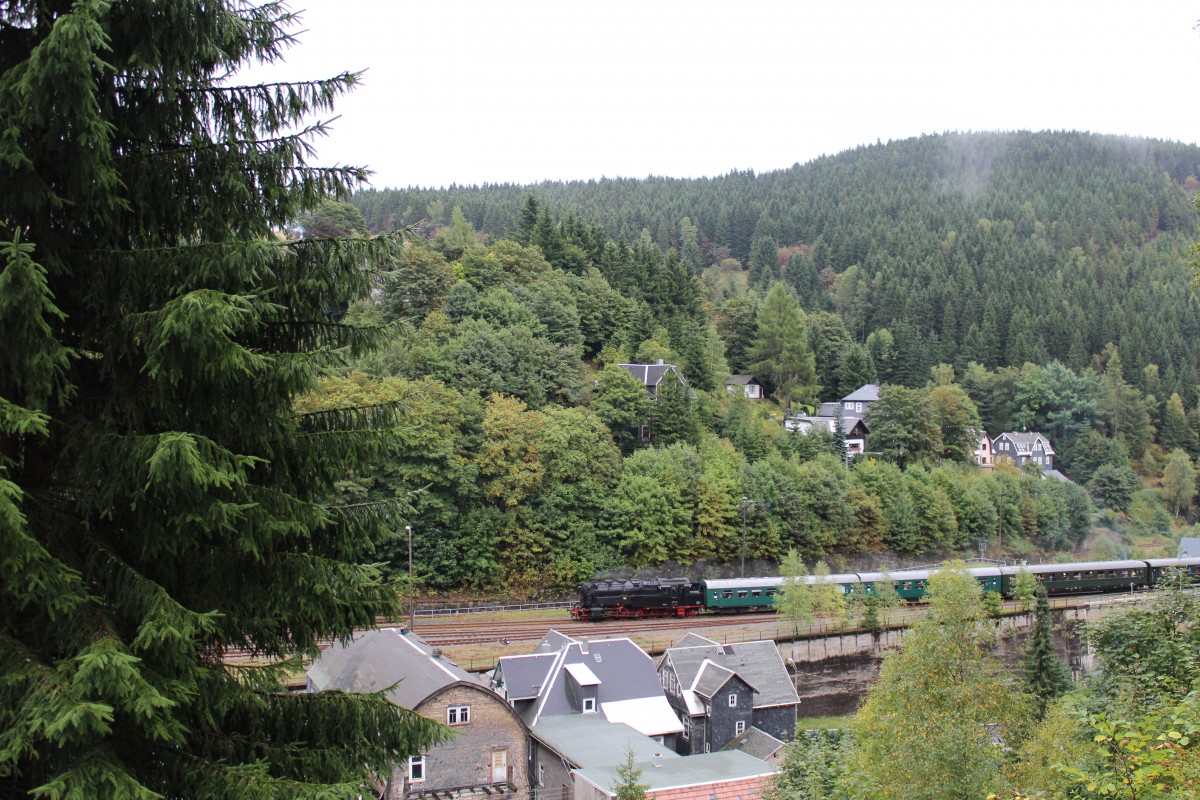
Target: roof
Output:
[
  {"x": 740, "y": 379},
  {"x": 867, "y": 393},
  {"x": 582, "y": 675},
  {"x": 523, "y": 676},
  {"x": 696, "y": 640},
  {"x": 1025, "y": 441},
  {"x": 759, "y": 744},
  {"x": 1189, "y": 546},
  {"x": 652, "y": 716},
  {"x": 392, "y": 659},
  {"x": 710, "y": 679},
  {"x": 829, "y": 409},
  {"x": 650, "y": 374},
  {"x": 587, "y": 740},
  {"x": 1058, "y": 476},
  {"x": 618, "y": 668},
  {"x": 727, "y": 769},
  {"x": 758, "y": 664},
  {"x": 744, "y": 789}
]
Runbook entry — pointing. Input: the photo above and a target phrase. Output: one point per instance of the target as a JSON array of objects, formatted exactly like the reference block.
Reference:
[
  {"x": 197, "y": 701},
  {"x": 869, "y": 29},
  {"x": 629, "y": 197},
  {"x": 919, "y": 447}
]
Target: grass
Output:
[{"x": 823, "y": 723}]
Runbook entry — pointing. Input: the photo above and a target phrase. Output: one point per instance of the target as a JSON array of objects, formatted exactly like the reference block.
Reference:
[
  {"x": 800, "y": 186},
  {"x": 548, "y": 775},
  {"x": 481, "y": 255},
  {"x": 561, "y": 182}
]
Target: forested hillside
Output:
[{"x": 1046, "y": 273}]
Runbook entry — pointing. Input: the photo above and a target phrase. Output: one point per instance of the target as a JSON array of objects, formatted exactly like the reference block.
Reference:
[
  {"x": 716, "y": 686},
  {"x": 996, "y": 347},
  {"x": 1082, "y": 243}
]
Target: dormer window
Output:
[{"x": 589, "y": 705}]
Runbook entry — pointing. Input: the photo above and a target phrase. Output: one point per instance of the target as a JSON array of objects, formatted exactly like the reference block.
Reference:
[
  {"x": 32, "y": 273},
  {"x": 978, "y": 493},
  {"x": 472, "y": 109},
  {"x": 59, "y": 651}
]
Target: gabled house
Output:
[
  {"x": 1019, "y": 447},
  {"x": 574, "y": 694},
  {"x": 850, "y": 412},
  {"x": 858, "y": 403},
  {"x": 489, "y": 755},
  {"x": 653, "y": 377},
  {"x": 744, "y": 385},
  {"x": 984, "y": 456},
  {"x": 590, "y": 704},
  {"x": 722, "y": 692}
]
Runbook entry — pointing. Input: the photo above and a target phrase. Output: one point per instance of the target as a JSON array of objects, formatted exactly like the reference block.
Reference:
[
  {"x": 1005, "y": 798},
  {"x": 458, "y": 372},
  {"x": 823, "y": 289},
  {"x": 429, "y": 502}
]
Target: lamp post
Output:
[
  {"x": 412, "y": 600},
  {"x": 745, "y": 506}
]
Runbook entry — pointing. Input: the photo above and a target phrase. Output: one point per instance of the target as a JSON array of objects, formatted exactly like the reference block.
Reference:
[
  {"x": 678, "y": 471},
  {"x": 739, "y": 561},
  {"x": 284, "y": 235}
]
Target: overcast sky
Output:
[{"x": 492, "y": 91}]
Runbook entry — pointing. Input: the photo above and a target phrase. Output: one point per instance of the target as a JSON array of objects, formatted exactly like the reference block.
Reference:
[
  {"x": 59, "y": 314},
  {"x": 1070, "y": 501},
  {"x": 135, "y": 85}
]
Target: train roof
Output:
[
  {"x": 1077, "y": 566},
  {"x": 1172, "y": 562},
  {"x": 741, "y": 583},
  {"x": 838, "y": 577}
]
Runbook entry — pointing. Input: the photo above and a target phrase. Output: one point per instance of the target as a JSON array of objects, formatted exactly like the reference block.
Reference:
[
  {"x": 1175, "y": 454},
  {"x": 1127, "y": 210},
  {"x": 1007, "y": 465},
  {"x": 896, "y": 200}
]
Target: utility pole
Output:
[{"x": 412, "y": 600}]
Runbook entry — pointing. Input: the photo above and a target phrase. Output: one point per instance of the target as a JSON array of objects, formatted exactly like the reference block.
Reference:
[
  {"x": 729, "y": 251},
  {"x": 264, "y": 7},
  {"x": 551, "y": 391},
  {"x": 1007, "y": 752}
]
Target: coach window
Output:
[
  {"x": 756, "y": 593},
  {"x": 742, "y": 594},
  {"x": 770, "y": 592},
  {"x": 727, "y": 594}
]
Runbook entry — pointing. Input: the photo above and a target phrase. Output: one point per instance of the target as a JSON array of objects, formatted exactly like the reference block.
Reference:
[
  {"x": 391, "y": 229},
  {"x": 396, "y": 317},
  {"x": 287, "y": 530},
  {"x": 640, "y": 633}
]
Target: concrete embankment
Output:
[{"x": 834, "y": 672}]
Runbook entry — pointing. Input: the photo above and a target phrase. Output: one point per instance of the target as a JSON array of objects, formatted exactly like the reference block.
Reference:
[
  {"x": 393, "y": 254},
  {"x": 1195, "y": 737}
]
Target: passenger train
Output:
[{"x": 681, "y": 597}]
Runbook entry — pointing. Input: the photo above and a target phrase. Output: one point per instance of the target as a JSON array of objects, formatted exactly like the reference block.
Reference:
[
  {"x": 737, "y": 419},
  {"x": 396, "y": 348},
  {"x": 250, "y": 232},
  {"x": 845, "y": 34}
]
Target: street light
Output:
[
  {"x": 412, "y": 599},
  {"x": 745, "y": 506}
]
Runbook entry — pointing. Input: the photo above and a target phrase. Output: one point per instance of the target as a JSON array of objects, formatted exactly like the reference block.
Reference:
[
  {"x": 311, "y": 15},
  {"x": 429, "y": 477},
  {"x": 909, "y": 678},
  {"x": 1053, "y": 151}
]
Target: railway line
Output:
[{"x": 448, "y": 634}]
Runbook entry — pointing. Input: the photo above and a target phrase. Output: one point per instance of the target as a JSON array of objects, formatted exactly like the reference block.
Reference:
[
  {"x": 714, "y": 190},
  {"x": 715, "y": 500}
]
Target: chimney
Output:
[
  {"x": 657, "y": 759},
  {"x": 660, "y": 362},
  {"x": 583, "y": 645}
]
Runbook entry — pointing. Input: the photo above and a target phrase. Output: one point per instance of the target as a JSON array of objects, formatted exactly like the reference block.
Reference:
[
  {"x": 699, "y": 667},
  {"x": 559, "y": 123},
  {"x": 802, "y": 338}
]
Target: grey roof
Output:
[
  {"x": 697, "y": 770},
  {"x": 622, "y": 671},
  {"x": 392, "y": 657},
  {"x": 1189, "y": 547},
  {"x": 757, "y": 663},
  {"x": 740, "y": 380},
  {"x": 650, "y": 374},
  {"x": 1058, "y": 476},
  {"x": 524, "y": 676},
  {"x": 867, "y": 393},
  {"x": 828, "y": 409},
  {"x": 759, "y": 744},
  {"x": 696, "y": 640},
  {"x": 589, "y": 740},
  {"x": 1026, "y": 441},
  {"x": 711, "y": 678}
]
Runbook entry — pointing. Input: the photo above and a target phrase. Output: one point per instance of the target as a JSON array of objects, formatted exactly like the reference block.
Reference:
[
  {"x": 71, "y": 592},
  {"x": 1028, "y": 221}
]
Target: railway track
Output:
[{"x": 448, "y": 634}]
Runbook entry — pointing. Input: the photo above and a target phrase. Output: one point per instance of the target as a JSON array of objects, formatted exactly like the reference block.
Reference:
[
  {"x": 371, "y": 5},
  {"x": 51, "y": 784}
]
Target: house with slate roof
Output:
[
  {"x": 587, "y": 704},
  {"x": 850, "y": 413},
  {"x": 1019, "y": 447},
  {"x": 488, "y": 756},
  {"x": 745, "y": 385},
  {"x": 722, "y": 692},
  {"x": 652, "y": 377}
]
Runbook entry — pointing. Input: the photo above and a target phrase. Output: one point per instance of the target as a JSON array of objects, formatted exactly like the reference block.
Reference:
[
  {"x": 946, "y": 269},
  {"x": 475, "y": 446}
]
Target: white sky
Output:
[{"x": 492, "y": 91}]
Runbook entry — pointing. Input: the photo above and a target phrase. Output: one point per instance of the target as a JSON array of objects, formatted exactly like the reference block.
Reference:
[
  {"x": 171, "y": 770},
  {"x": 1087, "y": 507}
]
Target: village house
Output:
[
  {"x": 984, "y": 456},
  {"x": 849, "y": 414},
  {"x": 746, "y": 386},
  {"x": 734, "y": 695},
  {"x": 1019, "y": 447},
  {"x": 652, "y": 377},
  {"x": 489, "y": 754},
  {"x": 589, "y": 704}
]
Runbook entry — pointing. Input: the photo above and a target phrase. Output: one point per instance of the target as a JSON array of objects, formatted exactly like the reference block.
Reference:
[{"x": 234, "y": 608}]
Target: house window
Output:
[
  {"x": 687, "y": 727},
  {"x": 416, "y": 769},
  {"x": 589, "y": 705},
  {"x": 858, "y": 406},
  {"x": 739, "y": 727},
  {"x": 458, "y": 715},
  {"x": 733, "y": 701},
  {"x": 541, "y": 774}
]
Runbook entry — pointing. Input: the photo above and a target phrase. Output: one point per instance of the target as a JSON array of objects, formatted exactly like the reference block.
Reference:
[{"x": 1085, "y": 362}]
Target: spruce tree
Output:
[
  {"x": 163, "y": 507},
  {"x": 1046, "y": 676}
]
